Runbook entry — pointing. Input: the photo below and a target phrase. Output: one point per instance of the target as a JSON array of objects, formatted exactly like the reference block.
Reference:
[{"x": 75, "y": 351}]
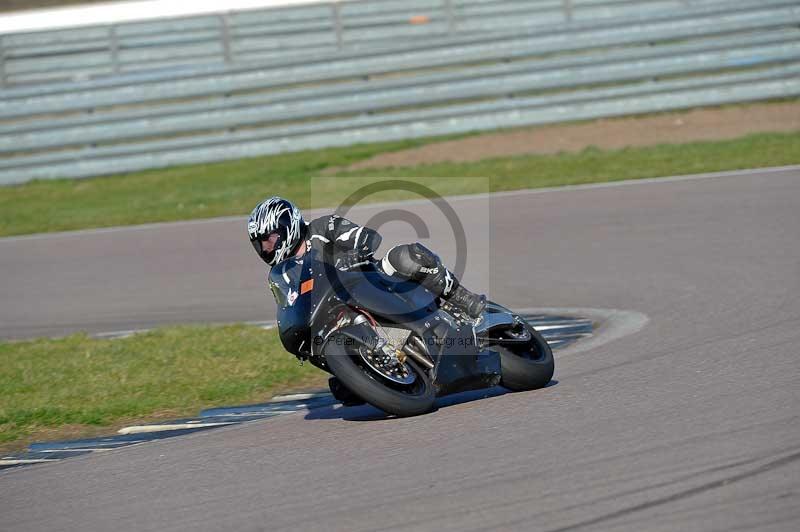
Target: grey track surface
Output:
[{"x": 689, "y": 424}]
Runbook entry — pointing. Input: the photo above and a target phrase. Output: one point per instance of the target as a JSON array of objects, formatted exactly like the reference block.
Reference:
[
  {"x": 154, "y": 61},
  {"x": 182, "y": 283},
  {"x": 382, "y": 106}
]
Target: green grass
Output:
[
  {"x": 230, "y": 188},
  {"x": 74, "y": 386}
]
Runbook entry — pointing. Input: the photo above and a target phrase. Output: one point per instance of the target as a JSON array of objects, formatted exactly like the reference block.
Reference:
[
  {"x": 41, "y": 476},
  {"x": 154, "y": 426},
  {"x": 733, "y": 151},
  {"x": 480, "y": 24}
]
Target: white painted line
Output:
[
  {"x": 266, "y": 325},
  {"x": 541, "y": 328},
  {"x": 297, "y": 397},
  {"x": 464, "y": 197},
  {"x": 79, "y": 450},
  {"x": 121, "y": 228},
  {"x": 117, "y": 335},
  {"x": 263, "y": 413},
  {"x": 568, "y": 338},
  {"x": 555, "y": 343},
  {"x": 21, "y": 461},
  {"x": 141, "y": 429}
]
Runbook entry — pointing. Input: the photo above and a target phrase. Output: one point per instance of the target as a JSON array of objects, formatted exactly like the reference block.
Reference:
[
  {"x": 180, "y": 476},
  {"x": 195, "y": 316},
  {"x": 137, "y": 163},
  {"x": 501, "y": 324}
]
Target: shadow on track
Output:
[{"x": 370, "y": 413}]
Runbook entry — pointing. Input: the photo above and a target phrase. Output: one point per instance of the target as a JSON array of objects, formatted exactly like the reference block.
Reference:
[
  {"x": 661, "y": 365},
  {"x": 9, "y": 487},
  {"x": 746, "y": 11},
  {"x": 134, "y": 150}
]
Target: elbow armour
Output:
[{"x": 371, "y": 242}]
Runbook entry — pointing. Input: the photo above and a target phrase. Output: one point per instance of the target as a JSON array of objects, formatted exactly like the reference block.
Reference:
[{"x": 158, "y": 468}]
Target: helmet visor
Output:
[{"x": 261, "y": 245}]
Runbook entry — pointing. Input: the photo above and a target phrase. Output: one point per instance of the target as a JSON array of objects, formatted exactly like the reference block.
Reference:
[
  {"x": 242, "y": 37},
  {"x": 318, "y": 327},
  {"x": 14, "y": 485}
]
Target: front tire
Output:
[
  {"x": 412, "y": 400},
  {"x": 528, "y": 369},
  {"x": 525, "y": 367}
]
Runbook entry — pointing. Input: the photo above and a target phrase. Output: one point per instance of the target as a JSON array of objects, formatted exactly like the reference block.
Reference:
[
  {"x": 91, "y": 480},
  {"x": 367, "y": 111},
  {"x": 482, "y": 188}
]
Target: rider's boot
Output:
[
  {"x": 470, "y": 302},
  {"x": 343, "y": 394}
]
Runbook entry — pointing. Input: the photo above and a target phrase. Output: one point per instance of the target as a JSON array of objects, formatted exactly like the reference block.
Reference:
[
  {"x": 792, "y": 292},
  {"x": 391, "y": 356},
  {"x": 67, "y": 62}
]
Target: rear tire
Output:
[{"x": 416, "y": 399}]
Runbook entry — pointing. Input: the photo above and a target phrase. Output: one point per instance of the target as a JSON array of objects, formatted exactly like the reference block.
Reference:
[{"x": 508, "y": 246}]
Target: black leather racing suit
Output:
[{"x": 347, "y": 243}]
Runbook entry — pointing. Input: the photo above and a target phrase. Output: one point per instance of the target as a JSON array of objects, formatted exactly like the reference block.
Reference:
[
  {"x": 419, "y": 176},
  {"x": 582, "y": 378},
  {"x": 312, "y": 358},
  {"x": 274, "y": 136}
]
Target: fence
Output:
[
  {"x": 236, "y": 38},
  {"x": 371, "y": 76}
]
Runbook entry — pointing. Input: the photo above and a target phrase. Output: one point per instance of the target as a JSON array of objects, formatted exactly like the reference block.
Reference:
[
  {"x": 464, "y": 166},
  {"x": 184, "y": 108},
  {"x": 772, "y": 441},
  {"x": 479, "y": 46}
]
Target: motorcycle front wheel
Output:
[
  {"x": 402, "y": 400},
  {"x": 525, "y": 366}
]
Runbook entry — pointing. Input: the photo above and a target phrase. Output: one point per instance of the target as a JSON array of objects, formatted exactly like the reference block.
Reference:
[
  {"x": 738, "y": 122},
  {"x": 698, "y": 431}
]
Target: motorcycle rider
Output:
[{"x": 277, "y": 232}]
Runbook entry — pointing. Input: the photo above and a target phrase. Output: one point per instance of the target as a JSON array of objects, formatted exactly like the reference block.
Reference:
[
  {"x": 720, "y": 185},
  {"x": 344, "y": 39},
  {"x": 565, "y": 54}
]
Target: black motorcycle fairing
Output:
[
  {"x": 294, "y": 307},
  {"x": 460, "y": 363},
  {"x": 358, "y": 334},
  {"x": 493, "y": 319}
]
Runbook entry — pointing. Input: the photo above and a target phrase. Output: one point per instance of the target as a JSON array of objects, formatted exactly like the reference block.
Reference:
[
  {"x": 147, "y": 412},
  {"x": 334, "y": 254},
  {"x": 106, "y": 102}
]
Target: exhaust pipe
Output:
[{"x": 413, "y": 352}]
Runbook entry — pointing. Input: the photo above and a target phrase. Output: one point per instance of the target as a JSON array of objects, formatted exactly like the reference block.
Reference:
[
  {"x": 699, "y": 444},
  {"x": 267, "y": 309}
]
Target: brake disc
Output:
[{"x": 386, "y": 364}]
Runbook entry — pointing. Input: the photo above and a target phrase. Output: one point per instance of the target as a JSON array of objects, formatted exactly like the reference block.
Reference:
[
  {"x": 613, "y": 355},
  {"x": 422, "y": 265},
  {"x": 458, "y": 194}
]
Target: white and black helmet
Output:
[{"x": 276, "y": 215}]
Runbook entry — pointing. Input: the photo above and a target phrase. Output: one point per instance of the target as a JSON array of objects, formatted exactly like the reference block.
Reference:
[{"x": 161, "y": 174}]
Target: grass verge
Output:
[
  {"x": 78, "y": 386},
  {"x": 233, "y": 188}
]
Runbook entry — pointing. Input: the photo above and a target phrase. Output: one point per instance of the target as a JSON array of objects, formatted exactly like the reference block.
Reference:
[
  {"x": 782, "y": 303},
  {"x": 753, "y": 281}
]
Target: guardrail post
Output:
[
  {"x": 113, "y": 45},
  {"x": 3, "y": 79},
  {"x": 450, "y": 14},
  {"x": 567, "y": 10},
  {"x": 337, "y": 24},
  {"x": 225, "y": 37}
]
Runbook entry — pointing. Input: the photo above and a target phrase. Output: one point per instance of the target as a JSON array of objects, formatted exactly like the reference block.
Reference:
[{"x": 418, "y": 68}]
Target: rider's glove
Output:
[{"x": 350, "y": 260}]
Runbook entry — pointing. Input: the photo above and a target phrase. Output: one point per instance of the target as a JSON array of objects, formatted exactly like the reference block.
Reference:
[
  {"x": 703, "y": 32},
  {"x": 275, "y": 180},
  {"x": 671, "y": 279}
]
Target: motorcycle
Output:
[{"x": 393, "y": 343}]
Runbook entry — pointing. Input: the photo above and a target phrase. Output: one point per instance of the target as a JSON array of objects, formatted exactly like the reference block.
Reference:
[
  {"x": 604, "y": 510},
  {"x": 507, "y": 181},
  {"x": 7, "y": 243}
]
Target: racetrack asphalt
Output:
[{"x": 691, "y": 423}]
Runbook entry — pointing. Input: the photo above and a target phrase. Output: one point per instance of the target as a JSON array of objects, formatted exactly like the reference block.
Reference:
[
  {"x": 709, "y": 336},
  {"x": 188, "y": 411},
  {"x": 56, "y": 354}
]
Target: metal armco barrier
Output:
[
  {"x": 235, "y": 38},
  {"x": 487, "y": 65}
]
